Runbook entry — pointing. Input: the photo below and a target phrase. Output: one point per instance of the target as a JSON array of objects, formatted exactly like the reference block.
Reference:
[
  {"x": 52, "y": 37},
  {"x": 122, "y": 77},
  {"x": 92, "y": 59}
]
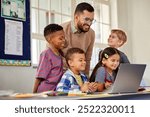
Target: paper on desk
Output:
[
  {"x": 6, "y": 92},
  {"x": 98, "y": 95},
  {"x": 76, "y": 93},
  {"x": 28, "y": 95}
]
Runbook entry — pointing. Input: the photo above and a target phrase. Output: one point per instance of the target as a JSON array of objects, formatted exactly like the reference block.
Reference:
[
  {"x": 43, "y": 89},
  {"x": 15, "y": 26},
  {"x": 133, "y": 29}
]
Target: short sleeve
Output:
[
  {"x": 100, "y": 75},
  {"x": 44, "y": 66}
]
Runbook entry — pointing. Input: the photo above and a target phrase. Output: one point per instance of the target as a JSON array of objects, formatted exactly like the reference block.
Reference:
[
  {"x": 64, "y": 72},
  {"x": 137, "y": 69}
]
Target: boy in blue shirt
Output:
[{"x": 74, "y": 79}]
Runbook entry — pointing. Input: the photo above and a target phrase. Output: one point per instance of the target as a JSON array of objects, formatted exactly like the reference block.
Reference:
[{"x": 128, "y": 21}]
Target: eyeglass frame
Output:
[{"x": 88, "y": 20}]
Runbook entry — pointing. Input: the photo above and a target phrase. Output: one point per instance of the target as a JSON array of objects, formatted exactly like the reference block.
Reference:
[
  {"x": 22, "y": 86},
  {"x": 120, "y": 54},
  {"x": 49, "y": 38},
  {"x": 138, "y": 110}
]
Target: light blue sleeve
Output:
[
  {"x": 64, "y": 84},
  {"x": 100, "y": 75}
]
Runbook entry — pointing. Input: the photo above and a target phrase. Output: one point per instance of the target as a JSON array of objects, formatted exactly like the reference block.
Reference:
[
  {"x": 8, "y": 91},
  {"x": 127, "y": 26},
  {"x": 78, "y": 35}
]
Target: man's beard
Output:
[{"x": 81, "y": 29}]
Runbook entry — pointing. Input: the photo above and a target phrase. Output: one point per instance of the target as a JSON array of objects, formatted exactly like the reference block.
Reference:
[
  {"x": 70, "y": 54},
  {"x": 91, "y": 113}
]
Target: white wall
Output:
[
  {"x": 123, "y": 23},
  {"x": 133, "y": 17},
  {"x": 18, "y": 79}
]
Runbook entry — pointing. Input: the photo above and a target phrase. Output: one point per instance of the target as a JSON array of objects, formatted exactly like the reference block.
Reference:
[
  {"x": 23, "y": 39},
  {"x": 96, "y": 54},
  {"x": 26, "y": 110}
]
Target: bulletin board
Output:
[{"x": 15, "y": 36}]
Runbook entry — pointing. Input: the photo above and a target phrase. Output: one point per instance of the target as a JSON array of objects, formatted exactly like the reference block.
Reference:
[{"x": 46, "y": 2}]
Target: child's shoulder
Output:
[
  {"x": 46, "y": 51},
  {"x": 122, "y": 54},
  {"x": 83, "y": 75},
  {"x": 101, "y": 68},
  {"x": 68, "y": 73}
]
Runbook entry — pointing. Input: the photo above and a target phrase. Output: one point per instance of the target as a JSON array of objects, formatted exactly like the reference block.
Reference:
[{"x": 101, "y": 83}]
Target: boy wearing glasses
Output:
[{"x": 78, "y": 32}]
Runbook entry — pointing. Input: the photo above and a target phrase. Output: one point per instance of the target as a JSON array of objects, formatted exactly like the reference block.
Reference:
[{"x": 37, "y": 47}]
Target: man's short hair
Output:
[{"x": 83, "y": 6}]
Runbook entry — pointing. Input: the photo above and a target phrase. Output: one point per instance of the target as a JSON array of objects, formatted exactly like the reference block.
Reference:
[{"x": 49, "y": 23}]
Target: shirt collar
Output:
[{"x": 70, "y": 72}]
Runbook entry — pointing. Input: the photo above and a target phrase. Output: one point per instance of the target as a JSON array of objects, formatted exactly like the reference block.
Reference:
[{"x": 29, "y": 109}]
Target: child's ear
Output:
[
  {"x": 70, "y": 63},
  {"x": 49, "y": 39},
  {"x": 120, "y": 43},
  {"x": 103, "y": 61}
]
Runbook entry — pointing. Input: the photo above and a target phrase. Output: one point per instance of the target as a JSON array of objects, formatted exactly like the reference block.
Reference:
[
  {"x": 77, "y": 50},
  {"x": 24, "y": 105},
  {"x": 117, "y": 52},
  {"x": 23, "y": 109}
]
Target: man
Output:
[{"x": 78, "y": 32}]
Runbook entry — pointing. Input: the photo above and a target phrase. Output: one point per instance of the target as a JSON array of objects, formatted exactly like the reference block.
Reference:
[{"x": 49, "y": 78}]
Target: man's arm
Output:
[{"x": 89, "y": 54}]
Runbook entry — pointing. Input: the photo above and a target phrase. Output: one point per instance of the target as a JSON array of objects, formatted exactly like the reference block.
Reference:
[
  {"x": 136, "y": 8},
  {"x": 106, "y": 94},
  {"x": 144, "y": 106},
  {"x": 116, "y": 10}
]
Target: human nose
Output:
[
  {"x": 116, "y": 63},
  {"x": 84, "y": 62},
  {"x": 65, "y": 43}
]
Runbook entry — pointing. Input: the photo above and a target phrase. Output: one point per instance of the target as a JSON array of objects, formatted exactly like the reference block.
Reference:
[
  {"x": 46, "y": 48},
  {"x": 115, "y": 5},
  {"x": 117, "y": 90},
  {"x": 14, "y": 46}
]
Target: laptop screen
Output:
[{"x": 128, "y": 78}]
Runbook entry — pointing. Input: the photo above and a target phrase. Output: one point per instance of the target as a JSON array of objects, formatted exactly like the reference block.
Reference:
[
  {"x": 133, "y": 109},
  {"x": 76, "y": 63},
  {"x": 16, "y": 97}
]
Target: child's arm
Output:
[
  {"x": 100, "y": 79},
  {"x": 64, "y": 85},
  {"x": 36, "y": 84},
  {"x": 100, "y": 87}
]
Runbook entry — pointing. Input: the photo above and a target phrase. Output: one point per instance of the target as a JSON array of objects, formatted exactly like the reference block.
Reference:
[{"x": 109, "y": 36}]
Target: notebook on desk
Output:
[{"x": 128, "y": 79}]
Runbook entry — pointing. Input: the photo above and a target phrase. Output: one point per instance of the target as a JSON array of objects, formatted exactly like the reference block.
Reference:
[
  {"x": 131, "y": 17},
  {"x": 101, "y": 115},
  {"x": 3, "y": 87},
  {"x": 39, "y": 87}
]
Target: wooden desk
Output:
[{"x": 96, "y": 96}]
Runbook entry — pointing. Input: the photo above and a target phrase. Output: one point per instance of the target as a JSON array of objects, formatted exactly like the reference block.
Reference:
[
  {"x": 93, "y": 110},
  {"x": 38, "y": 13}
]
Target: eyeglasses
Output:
[{"x": 88, "y": 20}]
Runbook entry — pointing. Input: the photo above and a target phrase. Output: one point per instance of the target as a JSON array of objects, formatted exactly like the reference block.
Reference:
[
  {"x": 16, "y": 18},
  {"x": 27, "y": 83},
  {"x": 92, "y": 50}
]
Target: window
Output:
[
  {"x": 45, "y": 12},
  {"x": 58, "y": 11}
]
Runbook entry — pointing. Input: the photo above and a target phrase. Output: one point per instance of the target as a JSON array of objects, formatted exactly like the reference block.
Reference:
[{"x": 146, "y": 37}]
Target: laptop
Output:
[{"x": 128, "y": 79}]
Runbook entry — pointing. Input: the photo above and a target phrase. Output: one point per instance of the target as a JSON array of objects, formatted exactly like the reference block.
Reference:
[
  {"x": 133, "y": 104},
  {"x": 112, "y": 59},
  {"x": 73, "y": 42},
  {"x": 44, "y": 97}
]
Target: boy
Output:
[
  {"x": 116, "y": 39},
  {"x": 73, "y": 79},
  {"x": 50, "y": 68}
]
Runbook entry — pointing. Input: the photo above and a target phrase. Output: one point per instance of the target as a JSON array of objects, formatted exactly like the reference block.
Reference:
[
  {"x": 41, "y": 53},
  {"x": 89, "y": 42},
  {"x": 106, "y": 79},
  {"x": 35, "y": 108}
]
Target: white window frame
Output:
[{"x": 97, "y": 45}]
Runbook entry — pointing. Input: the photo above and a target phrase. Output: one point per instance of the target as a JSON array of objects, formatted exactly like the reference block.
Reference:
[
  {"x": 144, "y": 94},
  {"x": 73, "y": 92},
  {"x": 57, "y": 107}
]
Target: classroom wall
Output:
[
  {"x": 19, "y": 79},
  {"x": 133, "y": 17}
]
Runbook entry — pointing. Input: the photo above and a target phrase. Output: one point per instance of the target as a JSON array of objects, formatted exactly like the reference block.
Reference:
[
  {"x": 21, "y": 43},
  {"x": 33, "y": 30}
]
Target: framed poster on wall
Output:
[{"x": 13, "y": 9}]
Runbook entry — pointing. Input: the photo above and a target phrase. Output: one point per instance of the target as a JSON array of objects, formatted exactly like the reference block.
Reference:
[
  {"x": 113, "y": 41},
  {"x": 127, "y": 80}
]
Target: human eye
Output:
[
  {"x": 80, "y": 60},
  {"x": 61, "y": 38},
  {"x": 86, "y": 19},
  {"x": 118, "y": 61},
  {"x": 113, "y": 37},
  {"x": 112, "y": 60}
]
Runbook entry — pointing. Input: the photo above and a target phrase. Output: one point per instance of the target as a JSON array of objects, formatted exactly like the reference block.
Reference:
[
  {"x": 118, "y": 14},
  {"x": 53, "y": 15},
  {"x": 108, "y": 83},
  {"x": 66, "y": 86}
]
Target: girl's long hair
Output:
[{"x": 106, "y": 53}]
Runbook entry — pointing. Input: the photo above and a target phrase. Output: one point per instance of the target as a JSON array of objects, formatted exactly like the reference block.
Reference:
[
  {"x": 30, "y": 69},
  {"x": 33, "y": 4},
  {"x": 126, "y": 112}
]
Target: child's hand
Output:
[
  {"x": 93, "y": 86},
  {"x": 84, "y": 87},
  {"x": 107, "y": 85}
]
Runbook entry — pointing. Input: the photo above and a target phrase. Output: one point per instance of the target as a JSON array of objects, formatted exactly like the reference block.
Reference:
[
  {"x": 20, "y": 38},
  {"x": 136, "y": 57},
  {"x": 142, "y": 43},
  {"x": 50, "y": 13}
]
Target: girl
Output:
[{"x": 105, "y": 71}]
